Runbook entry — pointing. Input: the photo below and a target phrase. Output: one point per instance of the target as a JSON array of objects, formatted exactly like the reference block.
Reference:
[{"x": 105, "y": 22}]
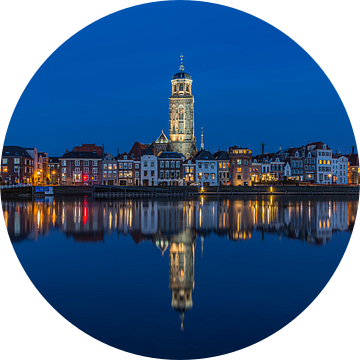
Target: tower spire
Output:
[
  {"x": 181, "y": 67},
  {"x": 202, "y": 138}
]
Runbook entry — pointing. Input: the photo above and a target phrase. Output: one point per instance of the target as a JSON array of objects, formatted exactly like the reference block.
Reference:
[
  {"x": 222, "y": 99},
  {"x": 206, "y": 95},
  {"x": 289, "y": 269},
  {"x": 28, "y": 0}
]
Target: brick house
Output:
[
  {"x": 54, "y": 167},
  {"x": 126, "y": 169},
  {"x": 240, "y": 165},
  {"x": 109, "y": 169},
  {"x": 223, "y": 167},
  {"x": 135, "y": 154},
  {"x": 16, "y": 166},
  {"x": 353, "y": 169},
  {"x": 170, "y": 168},
  {"x": 80, "y": 168},
  {"x": 189, "y": 171}
]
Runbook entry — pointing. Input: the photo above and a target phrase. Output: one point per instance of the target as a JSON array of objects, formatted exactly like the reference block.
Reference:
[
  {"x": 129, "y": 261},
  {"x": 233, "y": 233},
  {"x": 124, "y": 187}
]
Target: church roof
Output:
[
  {"x": 162, "y": 138},
  {"x": 181, "y": 75}
]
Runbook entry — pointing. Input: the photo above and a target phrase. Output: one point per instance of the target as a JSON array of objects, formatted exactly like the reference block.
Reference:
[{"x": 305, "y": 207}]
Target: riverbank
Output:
[{"x": 184, "y": 191}]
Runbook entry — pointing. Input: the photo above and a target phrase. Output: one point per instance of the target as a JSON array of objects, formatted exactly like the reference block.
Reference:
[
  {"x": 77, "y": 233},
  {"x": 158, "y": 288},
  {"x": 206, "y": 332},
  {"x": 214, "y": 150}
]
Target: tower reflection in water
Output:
[
  {"x": 182, "y": 258},
  {"x": 175, "y": 225}
]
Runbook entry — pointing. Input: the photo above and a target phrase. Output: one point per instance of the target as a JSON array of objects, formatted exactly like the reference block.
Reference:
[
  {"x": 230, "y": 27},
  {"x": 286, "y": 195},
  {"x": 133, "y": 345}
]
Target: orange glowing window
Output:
[{"x": 181, "y": 273}]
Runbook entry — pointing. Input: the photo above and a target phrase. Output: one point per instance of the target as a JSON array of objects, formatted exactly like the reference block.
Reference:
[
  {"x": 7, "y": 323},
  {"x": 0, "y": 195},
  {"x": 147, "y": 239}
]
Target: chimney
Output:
[
  {"x": 279, "y": 148},
  {"x": 262, "y": 148},
  {"x": 118, "y": 151},
  {"x": 353, "y": 149},
  {"x": 67, "y": 150}
]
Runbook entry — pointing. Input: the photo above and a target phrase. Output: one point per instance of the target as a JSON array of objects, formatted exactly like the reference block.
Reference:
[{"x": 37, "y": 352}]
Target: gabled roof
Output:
[
  {"x": 162, "y": 139},
  {"x": 148, "y": 151},
  {"x": 80, "y": 155},
  {"x": 318, "y": 145},
  {"x": 204, "y": 155},
  {"x": 15, "y": 151},
  {"x": 136, "y": 149},
  {"x": 261, "y": 158},
  {"x": 353, "y": 159},
  {"x": 221, "y": 155},
  {"x": 122, "y": 156},
  {"x": 192, "y": 161}
]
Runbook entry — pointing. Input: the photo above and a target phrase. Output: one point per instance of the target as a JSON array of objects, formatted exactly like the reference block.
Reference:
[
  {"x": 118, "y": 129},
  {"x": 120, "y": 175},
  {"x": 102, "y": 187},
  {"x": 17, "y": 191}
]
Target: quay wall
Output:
[{"x": 102, "y": 190}]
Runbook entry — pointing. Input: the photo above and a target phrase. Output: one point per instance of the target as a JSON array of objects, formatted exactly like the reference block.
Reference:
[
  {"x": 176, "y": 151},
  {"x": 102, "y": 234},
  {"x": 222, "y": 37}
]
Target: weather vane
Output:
[{"x": 181, "y": 67}]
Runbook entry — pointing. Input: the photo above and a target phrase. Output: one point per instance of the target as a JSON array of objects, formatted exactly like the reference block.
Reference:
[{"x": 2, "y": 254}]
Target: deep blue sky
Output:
[{"x": 110, "y": 84}]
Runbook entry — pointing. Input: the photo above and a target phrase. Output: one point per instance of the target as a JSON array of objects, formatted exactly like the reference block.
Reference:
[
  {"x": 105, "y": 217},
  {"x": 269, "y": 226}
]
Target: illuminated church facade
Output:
[{"x": 181, "y": 114}]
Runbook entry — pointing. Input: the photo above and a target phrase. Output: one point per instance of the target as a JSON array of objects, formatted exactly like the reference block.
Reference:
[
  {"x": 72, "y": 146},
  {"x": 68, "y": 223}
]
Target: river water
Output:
[{"x": 180, "y": 279}]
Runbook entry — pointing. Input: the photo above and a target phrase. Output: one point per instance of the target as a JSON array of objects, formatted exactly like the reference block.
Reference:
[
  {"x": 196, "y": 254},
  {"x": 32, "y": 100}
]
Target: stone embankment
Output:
[{"x": 185, "y": 191}]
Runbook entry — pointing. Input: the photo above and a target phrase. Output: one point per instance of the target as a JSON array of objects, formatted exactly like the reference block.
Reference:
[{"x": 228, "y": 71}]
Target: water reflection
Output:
[
  {"x": 174, "y": 226},
  {"x": 85, "y": 220}
]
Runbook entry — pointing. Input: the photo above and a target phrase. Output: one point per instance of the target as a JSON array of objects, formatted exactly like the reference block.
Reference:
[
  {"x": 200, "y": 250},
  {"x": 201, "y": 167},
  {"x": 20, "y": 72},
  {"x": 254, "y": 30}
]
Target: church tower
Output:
[{"x": 181, "y": 114}]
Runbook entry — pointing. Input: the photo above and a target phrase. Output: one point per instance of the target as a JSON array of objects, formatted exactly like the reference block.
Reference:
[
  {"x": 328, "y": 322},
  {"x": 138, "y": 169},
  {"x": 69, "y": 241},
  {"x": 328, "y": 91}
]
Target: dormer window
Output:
[
  {"x": 324, "y": 147},
  {"x": 297, "y": 154},
  {"x": 309, "y": 155},
  {"x": 125, "y": 157}
]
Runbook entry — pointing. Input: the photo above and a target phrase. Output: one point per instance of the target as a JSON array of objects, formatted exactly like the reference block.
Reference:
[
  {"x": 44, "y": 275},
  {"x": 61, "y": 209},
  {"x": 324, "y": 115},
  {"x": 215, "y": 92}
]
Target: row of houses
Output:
[{"x": 152, "y": 165}]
